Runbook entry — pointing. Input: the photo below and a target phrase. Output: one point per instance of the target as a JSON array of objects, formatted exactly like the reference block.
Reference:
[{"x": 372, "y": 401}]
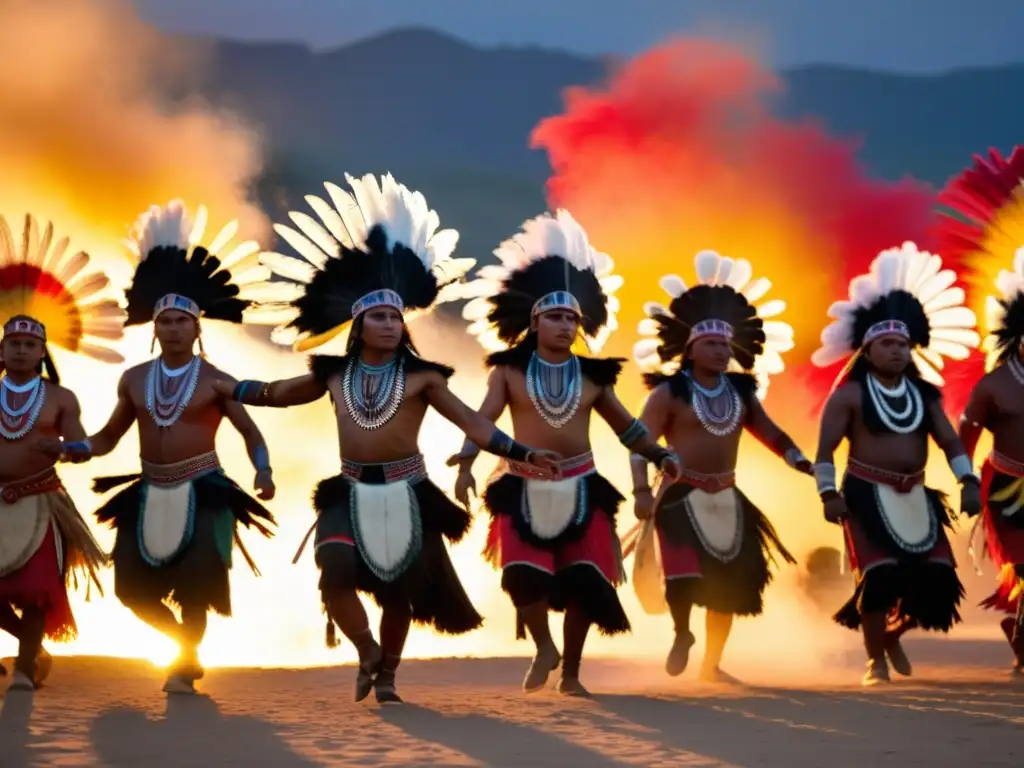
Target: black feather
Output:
[
  {"x": 169, "y": 269},
  {"x": 324, "y": 367},
  {"x": 896, "y": 305},
  {"x": 602, "y": 371},
  {"x": 1010, "y": 334}
]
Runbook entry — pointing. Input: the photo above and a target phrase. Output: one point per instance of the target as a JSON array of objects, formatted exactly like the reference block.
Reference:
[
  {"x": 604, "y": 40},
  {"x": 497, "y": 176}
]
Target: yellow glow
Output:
[{"x": 1003, "y": 236}]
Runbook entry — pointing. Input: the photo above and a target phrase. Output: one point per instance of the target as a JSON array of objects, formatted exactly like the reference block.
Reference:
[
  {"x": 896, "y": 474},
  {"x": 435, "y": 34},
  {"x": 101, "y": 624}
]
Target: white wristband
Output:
[
  {"x": 961, "y": 467},
  {"x": 825, "y": 477}
]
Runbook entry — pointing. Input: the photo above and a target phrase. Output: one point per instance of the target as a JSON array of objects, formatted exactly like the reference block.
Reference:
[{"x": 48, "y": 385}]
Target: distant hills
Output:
[{"x": 454, "y": 119}]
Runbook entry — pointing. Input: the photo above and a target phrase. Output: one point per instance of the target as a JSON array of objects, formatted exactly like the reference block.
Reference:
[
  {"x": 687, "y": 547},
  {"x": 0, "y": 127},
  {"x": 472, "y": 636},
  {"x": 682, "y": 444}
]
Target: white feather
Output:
[
  {"x": 756, "y": 289},
  {"x": 673, "y": 285},
  {"x": 653, "y": 309},
  {"x": 297, "y": 270},
  {"x": 648, "y": 326},
  {"x": 771, "y": 308},
  {"x": 645, "y": 348},
  {"x": 742, "y": 271},
  {"x": 707, "y": 263}
]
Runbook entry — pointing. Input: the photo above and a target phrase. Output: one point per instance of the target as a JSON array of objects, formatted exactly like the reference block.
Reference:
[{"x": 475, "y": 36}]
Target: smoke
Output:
[
  {"x": 679, "y": 151},
  {"x": 89, "y": 135}
]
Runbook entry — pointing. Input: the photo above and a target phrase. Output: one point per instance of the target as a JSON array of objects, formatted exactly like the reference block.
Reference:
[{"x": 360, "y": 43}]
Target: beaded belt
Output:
[
  {"x": 412, "y": 469},
  {"x": 46, "y": 481},
  {"x": 175, "y": 474},
  {"x": 1006, "y": 465},
  {"x": 902, "y": 483},
  {"x": 708, "y": 483},
  {"x": 577, "y": 466}
]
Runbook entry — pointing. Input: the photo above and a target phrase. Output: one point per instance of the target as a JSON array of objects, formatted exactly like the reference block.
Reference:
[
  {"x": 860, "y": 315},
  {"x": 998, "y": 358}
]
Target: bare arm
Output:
[
  {"x": 283, "y": 393},
  {"x": 120, "y": 421},
  {"x": 948, "y": 440},
  {"x": 69, "y": 418},
  {"x": 255, "y": 445},
  {"x": 632, "y": 432},
  {"x": 655, "y": 417},
  {"x": 769, "y": 434},
  {"x": 835, "y": 424},
  {"x": 978, "y": 414},
  {"x": 491, "y": 409}
]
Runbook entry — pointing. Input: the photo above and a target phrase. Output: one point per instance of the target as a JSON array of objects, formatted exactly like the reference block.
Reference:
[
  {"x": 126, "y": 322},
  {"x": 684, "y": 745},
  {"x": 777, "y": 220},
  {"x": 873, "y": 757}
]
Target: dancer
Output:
[
  {"x": 554, "y": 540},
  {"x": 177, "y": 520},
  {"x": 986, "y": 233},
  {"x": 900, "y": 319},
  {"x": 44, "y": 541},
  {"x": 714, "y": 544},
  {"x": 381, "y": 523}
]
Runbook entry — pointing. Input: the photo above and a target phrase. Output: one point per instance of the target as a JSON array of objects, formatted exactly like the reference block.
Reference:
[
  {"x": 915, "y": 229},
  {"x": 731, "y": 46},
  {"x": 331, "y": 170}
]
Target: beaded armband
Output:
[
  {"x": 251, "y": 392},
  {"x": 633, "y": 433},
  {"x": 504, "y": 446}
]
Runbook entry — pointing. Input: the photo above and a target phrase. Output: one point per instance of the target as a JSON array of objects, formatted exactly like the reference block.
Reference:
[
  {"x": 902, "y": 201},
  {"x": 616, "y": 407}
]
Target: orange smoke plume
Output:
[
  {"x": 89, "y": 133},
  {"x": 679, "y": 152}
]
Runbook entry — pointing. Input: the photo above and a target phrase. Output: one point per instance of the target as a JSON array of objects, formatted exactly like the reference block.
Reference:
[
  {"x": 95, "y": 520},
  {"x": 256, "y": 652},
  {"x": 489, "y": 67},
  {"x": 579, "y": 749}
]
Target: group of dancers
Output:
[{"x": 377, "y": 257}]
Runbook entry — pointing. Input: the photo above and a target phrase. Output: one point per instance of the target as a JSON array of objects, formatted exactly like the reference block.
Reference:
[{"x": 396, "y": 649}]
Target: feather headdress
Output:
[
  {"x": 42, "y": 280},
  {"x": 379, "y": 245},
  {"x": 176, "y": 271},
  {"x": 905, "y": 292},
  {"x": 724, "y": 302},
  {"x": 548, "y": 264},
  {"x": 985, "y": 227}
]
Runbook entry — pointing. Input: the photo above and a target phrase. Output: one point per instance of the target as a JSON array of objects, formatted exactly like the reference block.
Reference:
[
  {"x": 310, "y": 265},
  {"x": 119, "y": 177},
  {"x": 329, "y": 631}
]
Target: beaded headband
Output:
[
  {"x": 24, "y": 327},
  {"x": 885, "y": 328},
  {"x": 175, "y": 301},
  {"x": 382, "y": 298},
  {"x": 556, "y": 300},
  {"x": 710, "y": 328}
]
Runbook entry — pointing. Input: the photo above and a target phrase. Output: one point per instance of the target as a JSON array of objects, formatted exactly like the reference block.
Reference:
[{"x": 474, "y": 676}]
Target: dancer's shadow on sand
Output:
[
  {"x": 192, "y": 732},
  {"x": 15, "y": 713},
  {"x": 491, "y": 741}
]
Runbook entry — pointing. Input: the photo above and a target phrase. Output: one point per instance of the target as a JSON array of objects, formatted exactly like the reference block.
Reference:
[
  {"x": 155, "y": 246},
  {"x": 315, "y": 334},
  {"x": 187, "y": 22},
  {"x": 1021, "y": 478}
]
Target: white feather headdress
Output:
[
  {"x": 346, "y": 224},
  {"x": 910, "y": 286},
  {"x": 666, "y": 330},
  {"x": 549, "y": 253}
]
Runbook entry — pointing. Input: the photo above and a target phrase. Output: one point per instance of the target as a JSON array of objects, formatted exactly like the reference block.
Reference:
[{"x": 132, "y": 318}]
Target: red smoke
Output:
[{"x": 679, "y": 151}]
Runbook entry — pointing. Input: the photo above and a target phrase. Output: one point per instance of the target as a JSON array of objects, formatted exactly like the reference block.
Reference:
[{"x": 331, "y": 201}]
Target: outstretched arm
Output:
[
  {"x": 283, "y": 393},
  {"x": 491, "y": 409},
  {"x": 632, "y": 432},
  {"x": 106, "y": 440},
  {"x": 255, "y": 445},
  {"x": 478, "y": 428},
  {"x": 655, "y": 419},
  {"x": 768, "y": 433},
  {"x": 978, "y": 414}
]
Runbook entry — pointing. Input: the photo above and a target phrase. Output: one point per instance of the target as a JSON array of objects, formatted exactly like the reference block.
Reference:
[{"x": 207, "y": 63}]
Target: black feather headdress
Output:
[
  {"x": 549, "y": 264},
  {"x": 1005, "y": 314},
  {"x": 722, "y": 304},
  {"x": 378, "y": 245},
  {"x": 905, "y": 292},
  {"x": 175, "y": 271}
]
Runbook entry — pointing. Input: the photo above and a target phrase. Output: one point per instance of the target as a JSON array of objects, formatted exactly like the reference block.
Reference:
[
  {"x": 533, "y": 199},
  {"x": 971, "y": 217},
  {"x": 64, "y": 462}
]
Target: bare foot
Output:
[
  {"x": 897, "y": 656},
  {"x": 544, "y": 663},
  {"x": 679, "y": 654},
  {"x": 571, "y": 686},
  {"x": 368, "y": 668},
  {"x": 44, "y": 665},
  {"x": 878, "y": 673},
  {"x": 179, "y": 684},
  {"x": 715, "y": 676}
]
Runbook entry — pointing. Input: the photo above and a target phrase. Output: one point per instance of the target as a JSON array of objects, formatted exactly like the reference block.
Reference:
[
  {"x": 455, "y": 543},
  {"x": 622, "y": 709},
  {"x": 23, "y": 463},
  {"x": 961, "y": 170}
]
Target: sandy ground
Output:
[{"x": 101, "y": 712}]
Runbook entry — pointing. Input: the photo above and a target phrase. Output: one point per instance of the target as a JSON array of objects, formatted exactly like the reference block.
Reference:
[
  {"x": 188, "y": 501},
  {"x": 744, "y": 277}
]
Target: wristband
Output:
[
  {"x": 633, "y": 433},
  {"x": 825, "y": 477},
  {"x": 261, "y": 459},
  {"x": 502, "y": 445},
  {"x": 248, "y": 387},
  {"x": 656, "y": 454},
  {"x": 81, "y": 446},
  {"x": 793, "y": 456},
  {"x": 962, "y": 468}
]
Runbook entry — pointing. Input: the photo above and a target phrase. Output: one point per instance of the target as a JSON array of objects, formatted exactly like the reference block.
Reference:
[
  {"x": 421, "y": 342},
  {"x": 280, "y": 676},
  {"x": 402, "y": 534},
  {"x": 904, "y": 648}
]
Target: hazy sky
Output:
[{"x": 910, "y": 35}]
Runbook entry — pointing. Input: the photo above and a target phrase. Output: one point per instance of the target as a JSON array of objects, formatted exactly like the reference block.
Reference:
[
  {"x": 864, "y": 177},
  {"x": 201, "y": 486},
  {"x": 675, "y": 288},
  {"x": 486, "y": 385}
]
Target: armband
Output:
[
  {"x": 633, "y": 433},
  {"x": 502, "y": 445},
  {"x": 79, "y": 447},
  {"x": 656, "y": 454},
  {"x": 825, "y": 477},
  {"x": 261, "y": 459},
  {"x": 962, "y": 469},
  {"x": 793, "y": 456},
  {"x": 251, "y": 392}
]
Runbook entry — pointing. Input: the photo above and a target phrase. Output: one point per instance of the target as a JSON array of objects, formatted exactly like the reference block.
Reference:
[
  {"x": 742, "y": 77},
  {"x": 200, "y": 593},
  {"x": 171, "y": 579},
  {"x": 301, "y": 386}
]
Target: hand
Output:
[
  {"x": 53, "y": 447},
  {"x": 548, "y": 462},
  {"x": 671, "y": 468},
  {"x": 464, "y": 483},
  {"x": 643, "y": 504},
  {"x": 835, "y": 509},
  {"x": 264, "y": 485},
  {"x": 805, "y": 466},
  {"x": 970, "y": 498}
]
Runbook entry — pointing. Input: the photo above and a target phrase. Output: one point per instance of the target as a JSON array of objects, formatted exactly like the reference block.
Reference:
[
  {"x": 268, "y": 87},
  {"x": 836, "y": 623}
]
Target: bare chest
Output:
[{"x": 162, "y": 402}]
